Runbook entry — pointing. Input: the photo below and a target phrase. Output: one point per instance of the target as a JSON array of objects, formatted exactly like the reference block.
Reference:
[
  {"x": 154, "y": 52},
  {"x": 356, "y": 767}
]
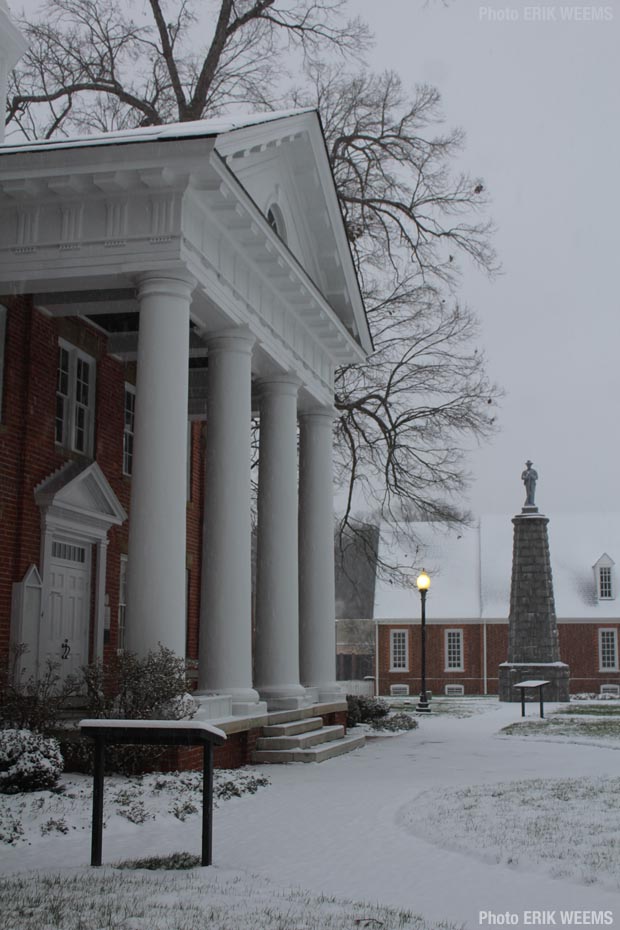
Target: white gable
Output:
[{"x": 82, "y": 490}]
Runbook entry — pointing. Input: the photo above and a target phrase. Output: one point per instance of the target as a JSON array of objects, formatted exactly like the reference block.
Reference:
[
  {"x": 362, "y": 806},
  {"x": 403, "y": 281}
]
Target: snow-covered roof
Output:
[
  {"x": 214, "y": 126},
  {"x": 470, "y": 568}
]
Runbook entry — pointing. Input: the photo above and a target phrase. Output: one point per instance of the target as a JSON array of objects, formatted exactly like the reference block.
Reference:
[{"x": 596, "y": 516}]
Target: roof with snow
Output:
[
  {"x": 214, "y": 126},
  {"x": 470, "y": 568}
]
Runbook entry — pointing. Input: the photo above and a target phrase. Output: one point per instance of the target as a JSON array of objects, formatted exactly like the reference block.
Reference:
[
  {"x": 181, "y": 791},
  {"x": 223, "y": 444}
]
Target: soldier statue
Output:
[{"x": 529, "y": 479}]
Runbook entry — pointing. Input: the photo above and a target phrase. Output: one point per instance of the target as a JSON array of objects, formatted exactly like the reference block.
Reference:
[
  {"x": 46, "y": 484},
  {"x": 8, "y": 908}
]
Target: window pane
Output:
[{"x": 398, "y": 649}]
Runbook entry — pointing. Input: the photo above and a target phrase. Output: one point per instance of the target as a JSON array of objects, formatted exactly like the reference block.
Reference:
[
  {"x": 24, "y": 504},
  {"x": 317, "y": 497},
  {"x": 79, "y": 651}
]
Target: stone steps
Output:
[{"x": 303, "y": 741}]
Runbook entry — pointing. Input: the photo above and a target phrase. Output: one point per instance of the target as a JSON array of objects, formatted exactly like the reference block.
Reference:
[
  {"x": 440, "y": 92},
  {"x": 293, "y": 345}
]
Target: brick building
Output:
[
  {"x": 163, "y": 288},
  {"x": 469, "y": 599}
]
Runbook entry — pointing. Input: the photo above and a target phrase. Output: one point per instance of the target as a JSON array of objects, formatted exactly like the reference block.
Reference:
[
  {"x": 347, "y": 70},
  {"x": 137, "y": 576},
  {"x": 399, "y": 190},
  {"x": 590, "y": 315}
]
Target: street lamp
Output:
[{"x": 423, "y": 582}]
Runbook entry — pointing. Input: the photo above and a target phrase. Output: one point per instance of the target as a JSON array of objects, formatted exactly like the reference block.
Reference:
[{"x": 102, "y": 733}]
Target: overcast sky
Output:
[
  {"x": 539, "y": 101},
  {"x": 540, "y": 104}
]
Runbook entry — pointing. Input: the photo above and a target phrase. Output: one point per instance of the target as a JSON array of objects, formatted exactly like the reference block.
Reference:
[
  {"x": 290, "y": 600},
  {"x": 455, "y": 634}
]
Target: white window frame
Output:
[
  {"x": 128, "y": 429},
  {"x": 3, "y": 316},
  {"x": 614, "y": 639},
  {"x": 447, "y": 635},
  {"x": 397, "y": 634},
  {"x": 72, "y": 406},
  {"x": 122, "y": 605},
  {"x": 605, "y": 583}
]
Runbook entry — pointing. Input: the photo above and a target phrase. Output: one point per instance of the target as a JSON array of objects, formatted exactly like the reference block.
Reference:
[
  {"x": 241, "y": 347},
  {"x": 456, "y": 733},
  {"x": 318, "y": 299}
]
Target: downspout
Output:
[{"x": 376, "y": 658}]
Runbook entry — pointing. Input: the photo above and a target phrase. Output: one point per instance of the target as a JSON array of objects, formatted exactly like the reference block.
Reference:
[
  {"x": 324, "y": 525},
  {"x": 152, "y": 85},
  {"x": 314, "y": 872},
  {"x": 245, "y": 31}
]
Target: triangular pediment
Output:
[
  {"x": 283, "y": 163},
  {"x": 604, "y": 561},
  {"x": 81, "y": 489}
]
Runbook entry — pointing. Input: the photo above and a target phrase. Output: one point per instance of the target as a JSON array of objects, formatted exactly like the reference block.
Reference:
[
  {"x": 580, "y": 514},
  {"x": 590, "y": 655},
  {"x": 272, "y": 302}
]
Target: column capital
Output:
[
  {"x": 323, "y": 411},
  {"x": 285, "y": 383},
  {"x": 237, "y": 339},
  {"x": 175, "y": 283}
]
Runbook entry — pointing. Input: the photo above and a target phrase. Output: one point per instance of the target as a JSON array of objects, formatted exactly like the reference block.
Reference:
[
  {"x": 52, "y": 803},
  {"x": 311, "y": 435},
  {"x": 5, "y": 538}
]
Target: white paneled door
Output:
[{"x": 67, "y": 615}]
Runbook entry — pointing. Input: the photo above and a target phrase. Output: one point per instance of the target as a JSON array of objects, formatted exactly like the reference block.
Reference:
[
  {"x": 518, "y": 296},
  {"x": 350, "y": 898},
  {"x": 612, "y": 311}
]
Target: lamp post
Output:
[{"x": 423, "y": 582}]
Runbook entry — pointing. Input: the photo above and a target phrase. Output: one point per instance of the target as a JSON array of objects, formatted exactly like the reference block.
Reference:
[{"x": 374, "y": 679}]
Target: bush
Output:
[
  {"x": 28, "y": 761},
  {"x": 361, "y": 709},
  {"x": 395, "y": 723},
  {"x": 177, "y": 860},
  {"x": 134, "y": 688},
  {"x": 131, "y": 688},
  {"x": 33, "y": 704}
]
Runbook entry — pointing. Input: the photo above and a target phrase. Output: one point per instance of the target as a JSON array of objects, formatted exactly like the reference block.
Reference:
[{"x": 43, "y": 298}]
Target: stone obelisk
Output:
[{"x": 533, "y": 645}]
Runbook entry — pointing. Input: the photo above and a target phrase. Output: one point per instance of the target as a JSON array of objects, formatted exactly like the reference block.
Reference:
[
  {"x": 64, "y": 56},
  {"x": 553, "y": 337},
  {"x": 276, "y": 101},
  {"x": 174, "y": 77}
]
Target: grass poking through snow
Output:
[
  {"x": 110, "y": 900},
  {"x": 568, "y": 827}
]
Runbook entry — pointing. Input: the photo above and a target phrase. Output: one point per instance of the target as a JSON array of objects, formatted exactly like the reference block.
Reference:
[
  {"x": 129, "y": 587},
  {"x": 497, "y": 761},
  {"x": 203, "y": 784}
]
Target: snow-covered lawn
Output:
[{"x": 446, "y": 821}]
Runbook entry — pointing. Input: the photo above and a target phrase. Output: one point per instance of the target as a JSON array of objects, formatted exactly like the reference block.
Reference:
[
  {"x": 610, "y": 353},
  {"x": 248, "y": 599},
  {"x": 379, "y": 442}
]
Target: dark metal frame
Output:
[{"x": 104, "y": 735}]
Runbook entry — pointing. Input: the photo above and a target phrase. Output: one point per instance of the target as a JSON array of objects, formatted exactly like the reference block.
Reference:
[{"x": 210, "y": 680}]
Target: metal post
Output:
[
  {"x": 423, "y": 702},
  {"x": 522, "y": 690},
  {"x": 207, "y": 804},
  {"x": 540, "y": 694},
  {"x": 96, "y": 841}
]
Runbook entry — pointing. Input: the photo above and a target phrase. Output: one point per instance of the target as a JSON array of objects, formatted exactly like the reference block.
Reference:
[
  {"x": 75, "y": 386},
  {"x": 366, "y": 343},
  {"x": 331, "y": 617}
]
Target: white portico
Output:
[{"x": 221, "y": 245}]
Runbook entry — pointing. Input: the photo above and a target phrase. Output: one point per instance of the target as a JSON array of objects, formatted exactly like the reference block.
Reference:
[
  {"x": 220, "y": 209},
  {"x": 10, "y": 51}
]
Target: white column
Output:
[
  {"x": 157, "y": 540},
  {"x": 317, "y": 595},
  {"x": 226, "y": 597},
  {"x": 277, "y": 589},
  {"x": 100, "y": 606}
]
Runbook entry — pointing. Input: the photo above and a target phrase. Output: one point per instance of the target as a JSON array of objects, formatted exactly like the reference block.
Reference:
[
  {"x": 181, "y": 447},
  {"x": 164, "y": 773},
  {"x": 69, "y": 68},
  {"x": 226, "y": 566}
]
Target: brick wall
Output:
[
  {"x": 28, "y": 454},
  {"x": 579, "y": 648}
]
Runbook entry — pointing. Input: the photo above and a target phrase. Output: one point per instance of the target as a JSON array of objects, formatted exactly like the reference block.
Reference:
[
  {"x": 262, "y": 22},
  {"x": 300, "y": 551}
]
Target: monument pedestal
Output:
[{"x": 556, "y": 673}]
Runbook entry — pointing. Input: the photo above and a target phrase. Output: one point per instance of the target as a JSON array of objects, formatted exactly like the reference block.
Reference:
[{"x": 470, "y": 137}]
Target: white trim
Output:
[
  {"x": 71, "y": 404},
  {"x": 122, "y": 603},
  {"x": 614, "y": 632},
  {"x": 128, "y": 429},
  {"x": 399, "y": 668},
  {"x": 447, "y": 667}
]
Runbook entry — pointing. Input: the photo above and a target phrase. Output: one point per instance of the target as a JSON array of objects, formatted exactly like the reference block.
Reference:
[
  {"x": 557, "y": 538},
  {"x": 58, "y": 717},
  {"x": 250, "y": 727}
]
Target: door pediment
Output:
[{"x": 82, "y": 490}]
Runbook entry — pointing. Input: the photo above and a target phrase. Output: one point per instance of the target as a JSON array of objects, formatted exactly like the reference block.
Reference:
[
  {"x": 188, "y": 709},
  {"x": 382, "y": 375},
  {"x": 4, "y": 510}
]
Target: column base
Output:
[
  {"x": 329, "y": 692},
  {"x": 249, "y": 708},
  {"x": 291, "y": 697},
  {"x": 212, "y": 706}
]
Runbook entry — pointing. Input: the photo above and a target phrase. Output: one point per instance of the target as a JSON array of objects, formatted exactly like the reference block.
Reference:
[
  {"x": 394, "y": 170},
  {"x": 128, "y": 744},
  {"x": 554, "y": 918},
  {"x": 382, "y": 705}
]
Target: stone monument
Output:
[{"x": 533, "y": 646}]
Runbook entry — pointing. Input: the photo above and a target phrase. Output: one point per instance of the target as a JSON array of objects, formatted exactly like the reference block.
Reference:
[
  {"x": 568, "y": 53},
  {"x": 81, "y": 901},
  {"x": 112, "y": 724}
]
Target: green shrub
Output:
[
  {"x": 361, "y": 709},
  {"x": 28, "y": 761}
]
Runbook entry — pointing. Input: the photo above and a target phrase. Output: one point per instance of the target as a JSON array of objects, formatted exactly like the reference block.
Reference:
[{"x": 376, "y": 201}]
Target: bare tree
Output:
[
  {"x": 92, "y": 66},
  {"x": 408, "y": 414}
]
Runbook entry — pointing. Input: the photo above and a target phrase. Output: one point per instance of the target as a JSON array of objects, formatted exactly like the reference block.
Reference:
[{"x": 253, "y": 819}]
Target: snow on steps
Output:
[{"x": 303, "y": 741}]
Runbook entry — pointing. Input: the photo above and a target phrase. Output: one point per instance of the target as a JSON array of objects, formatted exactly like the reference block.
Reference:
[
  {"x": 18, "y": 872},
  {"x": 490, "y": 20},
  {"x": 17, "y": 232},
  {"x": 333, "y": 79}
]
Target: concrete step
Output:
[
  {"x": 315, "y": 754},
  {"x": 294, "y": 727},
  {"x": 301, "y": 740}
]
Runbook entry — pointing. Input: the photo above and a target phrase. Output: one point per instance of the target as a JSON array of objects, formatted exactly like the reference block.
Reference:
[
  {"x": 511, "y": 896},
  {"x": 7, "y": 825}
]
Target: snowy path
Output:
[{"x": 337, "y": 828}]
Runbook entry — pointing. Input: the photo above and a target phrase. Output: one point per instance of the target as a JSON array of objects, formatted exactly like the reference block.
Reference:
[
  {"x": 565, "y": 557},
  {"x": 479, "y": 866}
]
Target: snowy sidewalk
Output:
[{"x": 338, "y": 828}]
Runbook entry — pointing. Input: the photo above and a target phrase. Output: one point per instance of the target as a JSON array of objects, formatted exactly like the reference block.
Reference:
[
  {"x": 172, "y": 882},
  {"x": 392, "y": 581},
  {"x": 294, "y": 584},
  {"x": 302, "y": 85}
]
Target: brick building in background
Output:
[{"x": 468, "y": 605}]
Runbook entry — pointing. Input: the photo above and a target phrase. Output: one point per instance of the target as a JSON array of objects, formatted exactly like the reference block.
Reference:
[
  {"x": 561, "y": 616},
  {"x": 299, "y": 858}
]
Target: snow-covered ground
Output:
[{"x": 448, "y": 821}]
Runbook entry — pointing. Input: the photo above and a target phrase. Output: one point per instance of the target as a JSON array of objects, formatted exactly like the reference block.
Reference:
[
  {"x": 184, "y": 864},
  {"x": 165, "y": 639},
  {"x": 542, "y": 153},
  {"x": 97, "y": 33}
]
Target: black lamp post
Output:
[{"x": 423, "y": 582}]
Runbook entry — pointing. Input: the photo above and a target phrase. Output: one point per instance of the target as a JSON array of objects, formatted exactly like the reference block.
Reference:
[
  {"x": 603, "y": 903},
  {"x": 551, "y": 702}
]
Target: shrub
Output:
[
  {"x": 372, "y": 708},
  {"x": 132, "y": 688},
  {"x": 395, "y": 722},
  {"x": 135, "y": 688},
  {"x": 33, "y": 704},
  {"x": 28, "y": 761},
  {"x": 361, "y": 709},
  {"x": 354, "y": 715}
]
